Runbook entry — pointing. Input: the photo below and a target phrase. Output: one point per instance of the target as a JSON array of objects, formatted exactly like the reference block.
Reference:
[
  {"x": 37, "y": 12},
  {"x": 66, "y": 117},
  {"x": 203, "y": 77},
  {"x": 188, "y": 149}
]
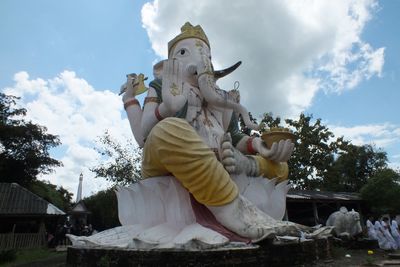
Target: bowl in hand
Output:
[{"x": 277, "y": 134}]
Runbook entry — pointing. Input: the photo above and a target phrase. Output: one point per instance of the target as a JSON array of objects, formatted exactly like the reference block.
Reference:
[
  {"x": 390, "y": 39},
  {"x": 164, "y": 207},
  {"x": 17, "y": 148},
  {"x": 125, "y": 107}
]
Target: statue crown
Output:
[{"x": 188, "y": 31}]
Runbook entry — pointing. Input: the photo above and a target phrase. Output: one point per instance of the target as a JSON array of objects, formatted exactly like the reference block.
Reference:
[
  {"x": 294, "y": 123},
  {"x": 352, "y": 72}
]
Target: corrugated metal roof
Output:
[
  {"x": 17, "y": 200},
  {"x": 322, "y": 195}
]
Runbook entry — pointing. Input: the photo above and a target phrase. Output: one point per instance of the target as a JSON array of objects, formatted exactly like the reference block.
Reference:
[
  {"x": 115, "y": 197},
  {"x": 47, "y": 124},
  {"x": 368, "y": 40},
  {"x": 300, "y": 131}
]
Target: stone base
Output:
[{"x": 264, "y": 254}]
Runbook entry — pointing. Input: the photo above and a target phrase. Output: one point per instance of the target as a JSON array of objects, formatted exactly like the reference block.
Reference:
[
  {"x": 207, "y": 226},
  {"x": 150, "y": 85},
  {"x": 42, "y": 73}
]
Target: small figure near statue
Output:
[{"x": 347, "y": 223}]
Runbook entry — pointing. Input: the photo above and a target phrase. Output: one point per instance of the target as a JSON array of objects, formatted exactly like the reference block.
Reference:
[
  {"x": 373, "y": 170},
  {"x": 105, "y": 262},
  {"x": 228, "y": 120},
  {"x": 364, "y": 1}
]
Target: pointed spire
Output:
[{"x": 79, "y": 194}]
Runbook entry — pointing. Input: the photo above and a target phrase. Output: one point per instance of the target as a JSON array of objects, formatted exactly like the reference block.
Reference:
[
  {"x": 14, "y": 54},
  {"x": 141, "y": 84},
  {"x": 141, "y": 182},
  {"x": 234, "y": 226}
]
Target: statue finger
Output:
[
  {"x": 275, "y": 151},
  {"x": 180, "y": 74},
  {"x": 281, "y": 155},
  {"x": 267, "y": 153},
  {"x": 230, "y": 169},
  {"x": 288, "y": 150},
  {"x": 229, "y": 162},
  {"x": 228, "y": 153},
  {"x": 226, "y": 137}
]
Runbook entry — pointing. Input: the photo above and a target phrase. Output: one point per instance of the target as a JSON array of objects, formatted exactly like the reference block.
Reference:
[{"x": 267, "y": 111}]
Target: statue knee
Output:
[{"x": 170, "y": 130}]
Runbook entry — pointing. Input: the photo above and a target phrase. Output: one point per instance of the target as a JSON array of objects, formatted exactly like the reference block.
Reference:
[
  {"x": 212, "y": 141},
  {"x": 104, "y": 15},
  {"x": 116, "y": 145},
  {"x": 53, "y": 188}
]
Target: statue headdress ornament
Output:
[{"x": 189, "y": 31}]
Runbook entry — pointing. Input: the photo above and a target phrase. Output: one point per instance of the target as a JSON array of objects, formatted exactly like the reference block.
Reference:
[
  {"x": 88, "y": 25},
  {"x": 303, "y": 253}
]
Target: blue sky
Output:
[{"x": 339, "y": 61}]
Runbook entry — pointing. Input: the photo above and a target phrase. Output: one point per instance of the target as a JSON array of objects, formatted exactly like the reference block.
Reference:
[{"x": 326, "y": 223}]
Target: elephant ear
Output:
[{"x": 158, "y": 69}]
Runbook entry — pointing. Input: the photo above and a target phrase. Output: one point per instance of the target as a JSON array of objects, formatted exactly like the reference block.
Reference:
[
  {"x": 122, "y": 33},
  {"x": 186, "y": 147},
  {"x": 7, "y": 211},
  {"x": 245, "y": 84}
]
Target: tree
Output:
[
  {"x": 314, "y": 151},
  {"x": 382, "y": 191},
  {"x": 122, "y": 161},
  {"x": 104, "y": 208},
  {"x": 353, "y": 168},
  {"x": 57, "y": 195},
  {"x": 24, "y": 146}
]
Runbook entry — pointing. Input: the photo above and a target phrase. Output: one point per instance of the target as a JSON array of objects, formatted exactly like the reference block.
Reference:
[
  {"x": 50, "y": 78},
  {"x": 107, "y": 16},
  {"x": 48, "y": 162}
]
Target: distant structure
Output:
[
  {"x": 79, "y": 213},
  {"x": 79, "y": 193}
]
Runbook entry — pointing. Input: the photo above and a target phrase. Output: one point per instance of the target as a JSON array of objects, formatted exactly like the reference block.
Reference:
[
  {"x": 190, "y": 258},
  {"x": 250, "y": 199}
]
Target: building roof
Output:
[
  {"x": 322, "y": 195},
  {"x": 79, "y": 207},
  {"x": 17, "y": 200}
]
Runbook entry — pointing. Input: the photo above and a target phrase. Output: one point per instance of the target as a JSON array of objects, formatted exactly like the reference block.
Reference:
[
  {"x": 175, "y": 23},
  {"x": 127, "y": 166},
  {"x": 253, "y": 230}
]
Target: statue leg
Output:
[{"x": 173, "y": 147}]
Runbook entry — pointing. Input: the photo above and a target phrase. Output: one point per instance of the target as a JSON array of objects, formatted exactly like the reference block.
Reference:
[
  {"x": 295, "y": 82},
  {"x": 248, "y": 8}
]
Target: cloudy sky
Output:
[{"x": 336, "y": 60}]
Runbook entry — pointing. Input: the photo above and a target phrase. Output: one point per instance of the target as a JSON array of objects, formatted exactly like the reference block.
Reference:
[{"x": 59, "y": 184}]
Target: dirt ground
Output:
[{"x": 342, "y": 257}]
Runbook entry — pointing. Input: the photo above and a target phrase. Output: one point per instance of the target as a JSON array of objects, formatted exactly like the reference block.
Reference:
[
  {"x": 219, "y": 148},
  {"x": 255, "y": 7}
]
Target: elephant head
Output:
[{"x": 192, "y": 49}]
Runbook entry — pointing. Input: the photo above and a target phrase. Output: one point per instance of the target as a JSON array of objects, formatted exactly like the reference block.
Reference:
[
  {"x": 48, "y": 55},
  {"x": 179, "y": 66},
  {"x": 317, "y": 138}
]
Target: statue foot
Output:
[{"x": 245, "y": 219}]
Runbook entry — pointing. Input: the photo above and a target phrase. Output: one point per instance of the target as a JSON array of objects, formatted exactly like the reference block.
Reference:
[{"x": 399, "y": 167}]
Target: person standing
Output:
[
  {"x": 371, "y": 229},
  {"x": 394, "y": 227},
  {"x": 386, "y": 232},
  {"x": 382, "y": 240}
]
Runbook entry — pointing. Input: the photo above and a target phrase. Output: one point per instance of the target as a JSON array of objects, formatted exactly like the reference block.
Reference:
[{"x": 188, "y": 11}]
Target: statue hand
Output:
[
  {"x": 130, "y": 90},
  {"x": 279, "y": 151},
  {"x": 226, "y": 153},
  {"x": 172, "y": 88}
]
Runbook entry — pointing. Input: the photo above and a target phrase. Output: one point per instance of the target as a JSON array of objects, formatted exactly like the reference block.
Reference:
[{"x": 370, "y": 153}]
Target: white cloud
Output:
[
  {"x": 382, "y": 135},
  {"x": 290, "y": 49},
  {"x": 71, "y": 108},
  {"x": 385, "y": 135}
]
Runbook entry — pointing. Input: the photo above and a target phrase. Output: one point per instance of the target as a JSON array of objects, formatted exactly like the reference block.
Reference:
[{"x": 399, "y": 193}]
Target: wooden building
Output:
[
  {"x": 24, "y": 216},
  {"x": 310, "y": 207}
]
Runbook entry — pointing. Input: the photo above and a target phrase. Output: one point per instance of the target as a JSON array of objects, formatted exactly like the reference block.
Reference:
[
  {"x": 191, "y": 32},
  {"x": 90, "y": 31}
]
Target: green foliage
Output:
[
  {"x": 24, "y": 146},
  {"x": 314, "y": 150},
  {"x": 122, "y": 161},
  {"x": 104, "y": 208},
  {"x": 382, "y": 191},
  {"x": 353, "y": 167},
  {"x": 57, "y": 195}
]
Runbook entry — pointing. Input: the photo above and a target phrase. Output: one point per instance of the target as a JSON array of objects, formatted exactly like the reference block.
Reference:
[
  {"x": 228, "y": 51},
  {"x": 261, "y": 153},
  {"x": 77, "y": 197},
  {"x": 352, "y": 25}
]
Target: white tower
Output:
[{"x": 79, "y": 194}]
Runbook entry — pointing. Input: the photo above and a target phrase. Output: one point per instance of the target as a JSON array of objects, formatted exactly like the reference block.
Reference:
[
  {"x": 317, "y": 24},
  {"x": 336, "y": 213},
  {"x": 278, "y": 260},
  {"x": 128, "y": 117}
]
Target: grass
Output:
[{"x": 31, "y": 255}]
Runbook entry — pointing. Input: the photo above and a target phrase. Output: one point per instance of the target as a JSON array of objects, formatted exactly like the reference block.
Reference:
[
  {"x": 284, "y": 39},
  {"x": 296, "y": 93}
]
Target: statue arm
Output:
[
  {"x": 279, "y": 152},
  {"x": 132, "y": 106},
  {"x": 236, "y": 134},
  {"x": 149, "y": 118},
  {"x": 134, "y": 114}
]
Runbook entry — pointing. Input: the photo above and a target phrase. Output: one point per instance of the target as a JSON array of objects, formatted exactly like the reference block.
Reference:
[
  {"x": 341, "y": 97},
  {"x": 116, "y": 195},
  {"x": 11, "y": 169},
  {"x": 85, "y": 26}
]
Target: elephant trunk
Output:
[{"x": 207, "y": 88}]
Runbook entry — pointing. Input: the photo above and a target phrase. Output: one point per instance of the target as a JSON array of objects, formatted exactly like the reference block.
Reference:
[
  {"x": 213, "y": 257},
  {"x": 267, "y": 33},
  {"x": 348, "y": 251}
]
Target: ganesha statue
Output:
[{"x": 204, "y": 182}]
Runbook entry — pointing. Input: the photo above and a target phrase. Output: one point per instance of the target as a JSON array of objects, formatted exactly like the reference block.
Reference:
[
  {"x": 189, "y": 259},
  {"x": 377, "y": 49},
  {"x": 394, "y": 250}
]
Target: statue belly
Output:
[
  {"x": 205, "y": 120},
  {"x": 206, "y": 124}
]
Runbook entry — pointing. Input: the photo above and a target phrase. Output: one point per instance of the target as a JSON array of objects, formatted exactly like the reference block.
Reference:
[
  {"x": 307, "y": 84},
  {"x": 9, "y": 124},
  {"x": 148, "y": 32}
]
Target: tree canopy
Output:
[
  {"x": 121, "y": 162},
  {"x": 382, "y": 192},
  {"x": 354, "y": 167},
  {"x": 24, "y": 146},
  {"x": 57, "y": 195},
  {"x": 104, "y": 208}
]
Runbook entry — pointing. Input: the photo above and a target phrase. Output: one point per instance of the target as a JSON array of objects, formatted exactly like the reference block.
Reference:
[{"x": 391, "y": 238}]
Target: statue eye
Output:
[{"x": 183, "y": 52}]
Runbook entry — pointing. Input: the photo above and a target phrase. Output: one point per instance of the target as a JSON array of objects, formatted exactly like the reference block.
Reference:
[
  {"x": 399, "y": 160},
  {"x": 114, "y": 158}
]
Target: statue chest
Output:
[{"x": 206, "y": 120}]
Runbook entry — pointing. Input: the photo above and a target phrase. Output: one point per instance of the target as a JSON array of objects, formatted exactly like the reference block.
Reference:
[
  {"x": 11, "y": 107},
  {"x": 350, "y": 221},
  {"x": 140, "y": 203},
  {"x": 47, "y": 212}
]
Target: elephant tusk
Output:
[{"x": 221, "y": 73}]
